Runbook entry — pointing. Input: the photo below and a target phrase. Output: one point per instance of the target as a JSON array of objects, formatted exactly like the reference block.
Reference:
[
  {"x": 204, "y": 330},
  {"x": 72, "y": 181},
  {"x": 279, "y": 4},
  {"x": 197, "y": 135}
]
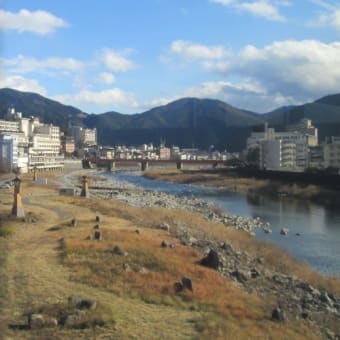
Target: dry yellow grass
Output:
[{"x": 136, "y": 305}]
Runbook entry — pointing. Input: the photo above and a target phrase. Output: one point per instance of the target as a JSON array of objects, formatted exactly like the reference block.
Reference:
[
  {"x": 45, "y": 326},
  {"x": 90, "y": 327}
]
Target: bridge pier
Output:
[
  {"x": 111, "y": 166},
  {"x": 144, "y": 165},
  {"x": 179, "y": 165}
]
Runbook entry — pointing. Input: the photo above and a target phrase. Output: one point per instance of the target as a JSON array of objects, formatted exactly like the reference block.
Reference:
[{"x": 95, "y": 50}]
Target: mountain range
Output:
[{"x": 187, "y": 122}]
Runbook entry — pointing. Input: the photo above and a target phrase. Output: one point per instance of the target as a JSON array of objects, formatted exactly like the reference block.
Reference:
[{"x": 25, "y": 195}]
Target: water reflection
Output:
[{"x": 318, "y": 226}]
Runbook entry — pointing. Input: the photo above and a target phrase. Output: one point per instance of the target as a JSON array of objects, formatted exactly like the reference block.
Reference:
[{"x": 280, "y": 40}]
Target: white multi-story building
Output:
[
  {"x": 331, "y": 153},
  {"x": 288, "y": 150},
  {"x": 83, "y": 136},
  {"x": 33, "y": 145}
]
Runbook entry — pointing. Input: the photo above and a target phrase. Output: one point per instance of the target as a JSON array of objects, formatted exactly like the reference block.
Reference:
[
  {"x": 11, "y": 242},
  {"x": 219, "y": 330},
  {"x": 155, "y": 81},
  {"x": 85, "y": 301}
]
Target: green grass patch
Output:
[{"x": 6, "y": 231}]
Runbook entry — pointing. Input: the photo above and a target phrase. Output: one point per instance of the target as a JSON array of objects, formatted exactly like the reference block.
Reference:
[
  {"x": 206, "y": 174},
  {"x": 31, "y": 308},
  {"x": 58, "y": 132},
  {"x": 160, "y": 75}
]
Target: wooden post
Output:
[
  {"x": 85, "y": 188},
  {"x": 17, "y": 209}
]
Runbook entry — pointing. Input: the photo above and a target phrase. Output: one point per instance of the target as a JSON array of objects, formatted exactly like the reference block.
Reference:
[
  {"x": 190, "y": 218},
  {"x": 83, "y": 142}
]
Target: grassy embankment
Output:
[
  {"x": 231, "y": 181},
  {"x": 57, "y": 260}
]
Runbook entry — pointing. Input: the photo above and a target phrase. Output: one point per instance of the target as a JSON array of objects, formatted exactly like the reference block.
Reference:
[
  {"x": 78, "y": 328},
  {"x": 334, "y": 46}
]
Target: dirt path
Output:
[{"x": 35, "y": 277}]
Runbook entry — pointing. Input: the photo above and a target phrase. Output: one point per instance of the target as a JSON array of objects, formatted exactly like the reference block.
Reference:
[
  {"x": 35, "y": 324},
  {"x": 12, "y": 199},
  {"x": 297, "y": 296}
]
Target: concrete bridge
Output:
[{"x": 145, "y": 163}]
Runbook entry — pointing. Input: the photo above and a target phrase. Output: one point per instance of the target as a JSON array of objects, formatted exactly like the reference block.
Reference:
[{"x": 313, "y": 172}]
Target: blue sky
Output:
[{"x": 131, "y": 55}]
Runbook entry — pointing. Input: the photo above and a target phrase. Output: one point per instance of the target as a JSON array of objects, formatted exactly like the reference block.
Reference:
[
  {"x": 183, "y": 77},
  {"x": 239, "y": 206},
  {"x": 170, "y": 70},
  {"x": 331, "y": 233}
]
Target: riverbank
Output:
[
  {"x": 157, "y": 266},
  {"x": 230, "y": 180}
]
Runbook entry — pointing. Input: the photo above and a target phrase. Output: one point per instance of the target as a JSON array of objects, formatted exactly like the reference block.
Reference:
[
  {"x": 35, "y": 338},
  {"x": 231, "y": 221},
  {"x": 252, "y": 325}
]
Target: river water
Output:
[{"x": 318, "y": 243}]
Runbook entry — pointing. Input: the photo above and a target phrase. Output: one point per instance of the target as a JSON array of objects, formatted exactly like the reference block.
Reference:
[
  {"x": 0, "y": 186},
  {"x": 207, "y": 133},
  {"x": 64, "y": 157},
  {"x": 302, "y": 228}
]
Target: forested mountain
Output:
[{"x": 187, "y": 122}]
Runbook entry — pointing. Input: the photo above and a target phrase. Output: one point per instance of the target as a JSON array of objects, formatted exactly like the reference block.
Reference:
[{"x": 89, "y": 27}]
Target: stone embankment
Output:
[
  {"x": 108, "y": 188},
  {"x": 296, "y": 299}
]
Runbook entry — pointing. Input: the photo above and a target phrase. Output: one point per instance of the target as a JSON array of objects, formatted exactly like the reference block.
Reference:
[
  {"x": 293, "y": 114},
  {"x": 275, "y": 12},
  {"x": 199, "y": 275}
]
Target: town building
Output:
[
  {"x": 287, "y": 150},
  {"x": 28, "y": 144},
  {"x": 83, "y": 136},
  {"x": 331, "y": 152},
  {"x": 68, "y": 145}
]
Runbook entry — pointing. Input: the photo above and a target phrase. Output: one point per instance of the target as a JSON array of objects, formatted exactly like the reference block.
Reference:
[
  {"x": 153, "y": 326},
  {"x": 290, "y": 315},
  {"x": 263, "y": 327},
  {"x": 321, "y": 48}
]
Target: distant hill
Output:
[
  {"x": 32, "y": 104},
  {"x": 324, "y": 113},
  {"x": 187, "y": 122}
]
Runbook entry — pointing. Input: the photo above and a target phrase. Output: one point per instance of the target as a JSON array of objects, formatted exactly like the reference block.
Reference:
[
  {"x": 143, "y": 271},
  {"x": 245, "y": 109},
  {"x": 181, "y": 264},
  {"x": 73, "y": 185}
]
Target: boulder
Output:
[
  {"x": 88, "y": 304},
  {"x": 119, "y": 251},
  {"x": 98, "y": 236},
  {"x": 81, "y": 303},
  {"x": 164, "y": 226},
  {"x": 241, "y": 275},
  {"x": 187, "y": 283},
  {"x": 325, "y": 298},
  {"x": 74, "y": 301},
  {"x": 71, "y": 320},
  {"x": 36, "y": 321},
  {"x": 284, "y": 231},
  {"x": 211, "y": 260},
  {"x": 254, "y": 273},
  {"x": 164, "y": 244},
  {"x": 278, "y": 315},
  {"x": 178, "y": 287},
  {"x": 127, "y": 267}
]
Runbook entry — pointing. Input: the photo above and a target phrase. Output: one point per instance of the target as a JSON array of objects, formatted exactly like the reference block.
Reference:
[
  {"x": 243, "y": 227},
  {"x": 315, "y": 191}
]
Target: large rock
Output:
[
  {"x": 119, "y": 251},
  {"x": 187, "y": 283},
  {"x": 211, "y": 260},
  {"x": 164, "y": 244},
  {"x": 164, "y": 226},
  {"x": 241, "y": 275},
  {"x": 278, "y": 315},
  {"x": 81, "y": 303},
  {"x": 98, "y": 236},
  {"x": 284, "y": 231},
  {"x": 36, "y": 321},
  {"x": 178, "y": 287}
]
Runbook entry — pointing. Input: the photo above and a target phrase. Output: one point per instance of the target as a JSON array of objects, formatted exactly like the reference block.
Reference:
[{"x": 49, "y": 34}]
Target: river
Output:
[{"x": 314, "y": 230}]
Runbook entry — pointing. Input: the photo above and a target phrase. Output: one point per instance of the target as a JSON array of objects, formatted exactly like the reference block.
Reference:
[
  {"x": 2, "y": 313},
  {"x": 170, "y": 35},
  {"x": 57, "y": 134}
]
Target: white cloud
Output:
[
  {"x": 156, "y": 102},
  {"x": 117, "y": 61},
  {"x": 189, "y": 50},
  {"x": 260, "y": 8},
  {"x": 246, "y": 95},
  {"x": 105, "y": 78},
  {"x": 323, "y": 4},
  {"x": 22, "y": 84},
  {"x": 38, "y": 22},
  {"x": 331, "y": 19},
  {"x": 109, "y": 98},
  {"x": 23, "y": 64},
  {"x": 298, "y": 69}
]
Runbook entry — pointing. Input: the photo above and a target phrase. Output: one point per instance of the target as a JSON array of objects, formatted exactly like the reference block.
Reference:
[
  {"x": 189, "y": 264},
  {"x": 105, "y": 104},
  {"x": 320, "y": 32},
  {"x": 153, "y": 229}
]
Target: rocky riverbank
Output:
[{"x": 104, "y": 187}]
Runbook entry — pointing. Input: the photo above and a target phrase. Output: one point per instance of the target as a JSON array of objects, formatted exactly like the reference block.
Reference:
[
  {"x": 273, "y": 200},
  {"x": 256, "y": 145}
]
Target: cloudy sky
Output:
[{"x": 131, "y": 55}]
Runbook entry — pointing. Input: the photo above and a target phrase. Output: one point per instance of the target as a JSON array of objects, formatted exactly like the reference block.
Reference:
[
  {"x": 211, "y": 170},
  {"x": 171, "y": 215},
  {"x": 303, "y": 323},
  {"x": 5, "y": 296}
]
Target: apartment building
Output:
[
  {"x": 331, "y": 152},
  {"x": 287, "y": 150},
  {"x": 28, "y": 144},
  {"x": 82, "y": 136}
]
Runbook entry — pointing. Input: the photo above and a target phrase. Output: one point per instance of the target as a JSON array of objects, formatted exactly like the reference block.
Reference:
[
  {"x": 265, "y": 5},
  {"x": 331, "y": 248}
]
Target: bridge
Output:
[{"x": 145, "y": 163}]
